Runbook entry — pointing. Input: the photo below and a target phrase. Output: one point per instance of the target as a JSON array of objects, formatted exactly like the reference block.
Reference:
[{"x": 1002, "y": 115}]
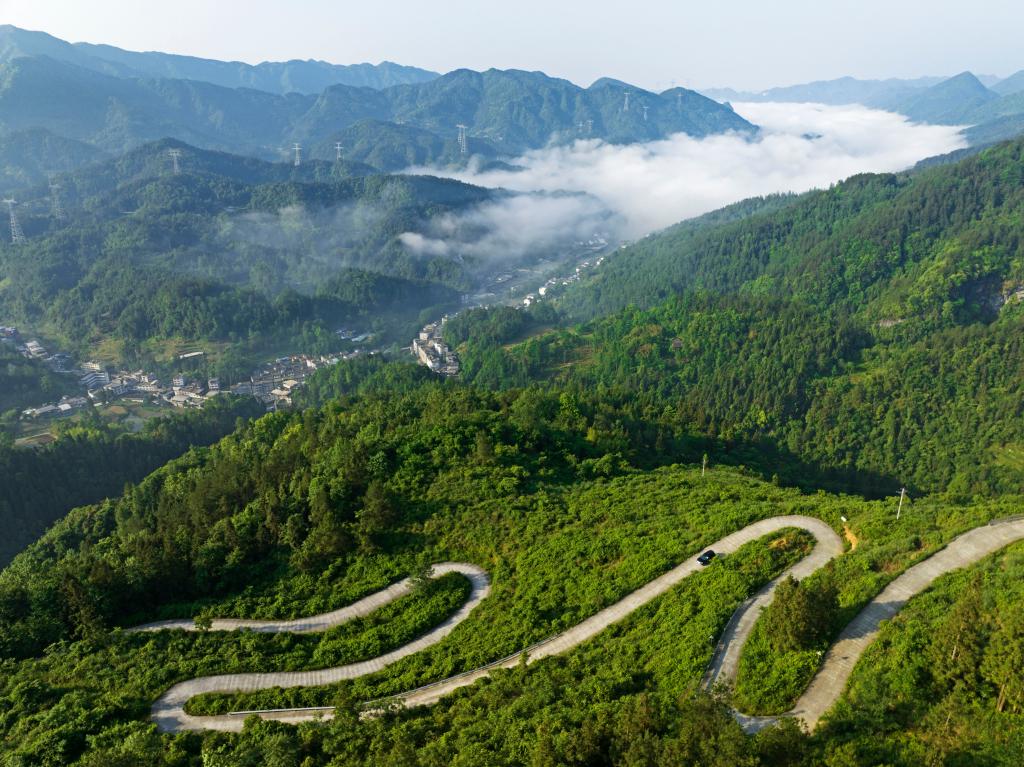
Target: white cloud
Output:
[
  {"x": 513, "y": 227},
  {"x": 653, "y": 185}
]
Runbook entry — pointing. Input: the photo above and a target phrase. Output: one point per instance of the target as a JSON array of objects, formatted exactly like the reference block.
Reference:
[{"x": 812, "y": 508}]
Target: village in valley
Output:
[
  {"x": 432, "y": 350},
  {"x": 273, "y": 383}
]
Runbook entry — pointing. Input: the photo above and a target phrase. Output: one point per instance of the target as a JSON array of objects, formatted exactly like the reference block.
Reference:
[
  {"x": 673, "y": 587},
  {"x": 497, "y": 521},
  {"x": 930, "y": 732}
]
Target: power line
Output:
[{"x": 17, "y": 236}]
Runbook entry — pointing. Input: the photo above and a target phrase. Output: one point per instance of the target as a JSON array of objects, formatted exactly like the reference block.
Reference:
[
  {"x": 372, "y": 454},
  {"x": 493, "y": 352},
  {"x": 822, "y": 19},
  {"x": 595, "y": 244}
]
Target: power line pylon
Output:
[
  {"x": 337, "y": 151},
  {"x": 17, "y": 236},
  {"x": 463, "y": 140},
  {"x": 175, "y": 155},
  {"x": 297, "y": 148},
  {"x": 55, "y": 202}
]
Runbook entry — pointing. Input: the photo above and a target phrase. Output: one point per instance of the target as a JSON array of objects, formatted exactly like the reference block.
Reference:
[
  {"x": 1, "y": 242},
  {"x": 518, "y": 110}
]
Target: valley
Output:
[{"x": 395, "y": 386}]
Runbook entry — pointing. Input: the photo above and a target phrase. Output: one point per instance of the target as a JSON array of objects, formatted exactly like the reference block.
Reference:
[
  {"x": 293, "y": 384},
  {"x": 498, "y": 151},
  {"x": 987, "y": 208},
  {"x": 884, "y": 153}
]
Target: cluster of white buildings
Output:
[
  {"x": 181, "y": 393},
  {"x": 274, "y": 384},
  {"x": 556, "y": 282},
  {"x": 66, "y": 406},
  {"x": 433, "y": 351},
  {"x": 32, "y": 349}
]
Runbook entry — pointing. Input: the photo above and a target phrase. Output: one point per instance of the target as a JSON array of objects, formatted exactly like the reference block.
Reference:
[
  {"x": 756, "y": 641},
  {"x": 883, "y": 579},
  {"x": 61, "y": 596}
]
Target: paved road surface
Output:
[
  {"x": 830, "y": 681},
  {"x": 168, "y": 711},
  {"x": 823, "y": 691},
  {"x": 725, "y": 662}
]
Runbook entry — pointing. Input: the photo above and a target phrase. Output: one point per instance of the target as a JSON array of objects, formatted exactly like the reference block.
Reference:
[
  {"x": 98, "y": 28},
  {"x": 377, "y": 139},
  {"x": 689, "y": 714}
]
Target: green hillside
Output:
[
  {"x": 559, "y": 497},
  {"x": 232, "y": 249},
  {"x": 870, "y": 330},
  {"x": 26, "y": 382},
  {"x": 90, "y": 461},
  {"x": 29, "y": 157},
  {"x": 820, "y": 354},
  {"x": 949, "y": 102}
]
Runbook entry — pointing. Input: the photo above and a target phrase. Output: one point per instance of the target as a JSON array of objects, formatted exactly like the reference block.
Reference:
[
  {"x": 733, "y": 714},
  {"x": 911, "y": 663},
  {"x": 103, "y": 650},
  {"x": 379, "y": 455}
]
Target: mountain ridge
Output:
[
  {"x": 505, "y": 111},
  {"x": 307, "y": 76}
]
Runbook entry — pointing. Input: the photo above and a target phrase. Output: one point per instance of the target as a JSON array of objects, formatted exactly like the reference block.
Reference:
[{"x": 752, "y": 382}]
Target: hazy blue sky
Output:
[{"x": 741, "y": 43}]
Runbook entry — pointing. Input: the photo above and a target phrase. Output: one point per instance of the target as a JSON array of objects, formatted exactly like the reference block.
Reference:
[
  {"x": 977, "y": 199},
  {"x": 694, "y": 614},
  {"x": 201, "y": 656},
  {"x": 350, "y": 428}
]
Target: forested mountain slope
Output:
[
  {"x": 28, "y": 158},
  {"x": 505, "y": 111},
  {"x": 872, "y": 329},
  {"x": 229, "y": 248},
  {"x": 557, "y": 495},
  {"x": 24, "y": 382},
  {"x": 92, "y": 461}
]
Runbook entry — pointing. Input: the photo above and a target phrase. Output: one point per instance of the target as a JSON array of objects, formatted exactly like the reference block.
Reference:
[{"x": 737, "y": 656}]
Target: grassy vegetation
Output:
[
  {"x": 770, "y": 680},
  {"x": 557, "y": 554},
  {"x": 928, "y": 690}
]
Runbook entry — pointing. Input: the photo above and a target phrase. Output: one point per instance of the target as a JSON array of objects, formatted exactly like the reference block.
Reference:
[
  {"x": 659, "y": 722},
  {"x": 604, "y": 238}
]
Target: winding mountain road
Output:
[
  {"x": 169, "y": 710},
  {"x": 169, "y": 715}
]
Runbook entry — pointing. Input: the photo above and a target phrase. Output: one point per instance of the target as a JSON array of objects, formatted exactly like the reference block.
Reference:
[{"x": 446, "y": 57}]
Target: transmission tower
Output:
[
  {"x": 625, "y": 104},
  {"x": 55, "y": 202},
  {"x": 297, "y": 148},
  {"x": 337, "y": 151},
  {"x": 463, "y": 141},
  {"x": 645, "y": 112},
  {"x": 590, "y": 127},
  {"x": 17, "y": 236},
  {"x": 175, "y": 155}
]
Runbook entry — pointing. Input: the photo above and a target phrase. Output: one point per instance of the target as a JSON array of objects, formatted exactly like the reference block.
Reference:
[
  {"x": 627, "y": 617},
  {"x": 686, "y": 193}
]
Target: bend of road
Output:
[
  {"x": 169, "y": 710},
  {"x": 826, "y": 687},
  {"x": 830, "y": 681},
  {"x": 169, "y": 714}
]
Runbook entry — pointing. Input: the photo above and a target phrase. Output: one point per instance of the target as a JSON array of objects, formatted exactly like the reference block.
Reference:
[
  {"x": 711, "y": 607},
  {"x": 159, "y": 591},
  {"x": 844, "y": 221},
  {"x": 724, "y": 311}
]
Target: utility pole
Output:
[
  {"x": 899, "y": 508},
  {"x": 298, "y": 154},
  {"x": 463, "y": 140},
  {"x": 17, "y": 236},
  {"x": 337, "y": 151},
  {"x": 175, "y": 155}
]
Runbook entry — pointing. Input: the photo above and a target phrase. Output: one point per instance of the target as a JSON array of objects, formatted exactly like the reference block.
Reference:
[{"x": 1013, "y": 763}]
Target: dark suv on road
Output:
[{"x": 706, "y": 557}]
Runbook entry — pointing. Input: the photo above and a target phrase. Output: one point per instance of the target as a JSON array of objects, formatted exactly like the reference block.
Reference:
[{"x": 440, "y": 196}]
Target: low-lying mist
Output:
[{"x": 645, "y": 187}]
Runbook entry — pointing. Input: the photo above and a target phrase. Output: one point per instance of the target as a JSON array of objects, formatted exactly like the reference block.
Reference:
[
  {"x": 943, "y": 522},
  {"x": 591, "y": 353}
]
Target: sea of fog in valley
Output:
[{"x": 630, "y": 190}]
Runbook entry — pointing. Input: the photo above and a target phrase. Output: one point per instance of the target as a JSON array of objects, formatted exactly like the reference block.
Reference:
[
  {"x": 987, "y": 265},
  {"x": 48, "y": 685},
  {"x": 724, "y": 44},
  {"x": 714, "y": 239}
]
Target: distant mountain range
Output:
[
  {"x": 850, "y": 90},
  {"x": 845, "y": 90},
  {"x": 308, "y": 77},
  {"x": 993, "y": 107},
  {"x": 112, "y": 100}
]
